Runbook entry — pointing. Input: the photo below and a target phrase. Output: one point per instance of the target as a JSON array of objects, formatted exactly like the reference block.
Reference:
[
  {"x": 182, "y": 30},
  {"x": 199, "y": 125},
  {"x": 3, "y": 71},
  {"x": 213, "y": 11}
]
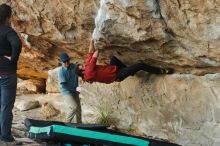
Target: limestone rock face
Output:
[
  {"x": 31, "y": 86},
  {"x": 183, "y": 34},
  {"x": 52, "y": 84},
  {"x": 49, "y": 27},
  {"x": 181, "y": 108}
]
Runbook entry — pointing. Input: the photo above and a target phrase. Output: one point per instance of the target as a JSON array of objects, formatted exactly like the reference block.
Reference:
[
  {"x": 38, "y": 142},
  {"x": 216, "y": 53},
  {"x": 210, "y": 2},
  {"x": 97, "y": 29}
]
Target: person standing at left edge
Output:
[{"x": 10, "y": 48}]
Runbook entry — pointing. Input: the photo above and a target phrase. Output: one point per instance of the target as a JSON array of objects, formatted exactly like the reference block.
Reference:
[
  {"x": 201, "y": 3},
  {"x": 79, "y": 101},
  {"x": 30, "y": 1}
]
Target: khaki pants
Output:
[{"x": 72, "y": 109}]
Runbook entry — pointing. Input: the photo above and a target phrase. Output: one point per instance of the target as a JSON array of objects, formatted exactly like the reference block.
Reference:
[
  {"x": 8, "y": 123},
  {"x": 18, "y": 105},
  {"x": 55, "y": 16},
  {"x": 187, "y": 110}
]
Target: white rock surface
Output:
[
  {"x": 52, "y": 84},
  {"x": 183, "y": 34},
  {"x": 181, "y": 108},
  {"x": 24, "y": 105}
]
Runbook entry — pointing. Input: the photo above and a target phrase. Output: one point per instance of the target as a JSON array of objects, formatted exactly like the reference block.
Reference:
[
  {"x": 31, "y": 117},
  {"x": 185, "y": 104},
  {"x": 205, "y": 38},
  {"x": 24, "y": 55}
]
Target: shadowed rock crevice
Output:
[{"x": 154, "y": 8}]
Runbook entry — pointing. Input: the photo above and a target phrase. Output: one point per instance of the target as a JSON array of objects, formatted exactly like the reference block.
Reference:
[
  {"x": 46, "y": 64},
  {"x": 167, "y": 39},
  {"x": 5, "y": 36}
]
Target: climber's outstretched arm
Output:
[{"x": 91, "y": 46}]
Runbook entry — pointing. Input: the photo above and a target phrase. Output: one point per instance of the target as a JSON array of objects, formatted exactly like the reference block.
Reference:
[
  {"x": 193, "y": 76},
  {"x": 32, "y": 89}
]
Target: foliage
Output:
[{"x": 105, "y": 116}]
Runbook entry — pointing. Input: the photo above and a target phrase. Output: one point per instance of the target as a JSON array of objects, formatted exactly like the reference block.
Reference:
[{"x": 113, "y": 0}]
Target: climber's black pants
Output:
[{"x": 124, "y": 71}]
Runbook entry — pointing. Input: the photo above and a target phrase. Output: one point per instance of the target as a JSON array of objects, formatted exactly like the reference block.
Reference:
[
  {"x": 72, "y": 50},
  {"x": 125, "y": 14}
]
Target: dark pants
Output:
[
  {"x": 8, "y": 85},
  {"x": 124, "y": 71}
]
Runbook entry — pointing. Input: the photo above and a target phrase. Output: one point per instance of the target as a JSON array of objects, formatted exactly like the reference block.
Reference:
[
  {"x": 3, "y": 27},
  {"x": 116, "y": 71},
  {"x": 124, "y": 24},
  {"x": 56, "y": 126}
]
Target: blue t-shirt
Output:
[{"x": 68, "y": 80}]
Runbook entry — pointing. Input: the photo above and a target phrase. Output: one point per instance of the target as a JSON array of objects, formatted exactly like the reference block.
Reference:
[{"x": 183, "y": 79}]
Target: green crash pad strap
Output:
[{"x": 89, "y": 134}]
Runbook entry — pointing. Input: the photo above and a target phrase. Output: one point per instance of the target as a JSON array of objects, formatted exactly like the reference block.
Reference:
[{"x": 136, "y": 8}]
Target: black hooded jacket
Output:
[{"x": 10, "y": 45}]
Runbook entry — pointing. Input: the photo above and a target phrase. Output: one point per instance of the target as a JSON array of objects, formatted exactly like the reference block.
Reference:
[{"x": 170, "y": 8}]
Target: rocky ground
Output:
[
  {"x": 40, "y": 112},
  {"x": 18, "y": 128}
]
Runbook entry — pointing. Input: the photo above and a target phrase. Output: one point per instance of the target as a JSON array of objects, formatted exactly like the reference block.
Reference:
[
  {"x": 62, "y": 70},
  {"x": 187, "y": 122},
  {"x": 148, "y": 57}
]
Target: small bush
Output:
[{"x": 105, "y": 117}]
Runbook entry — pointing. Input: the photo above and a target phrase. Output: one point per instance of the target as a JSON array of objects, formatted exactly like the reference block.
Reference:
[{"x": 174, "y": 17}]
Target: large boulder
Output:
[
  {"x": 31, "y": 86},
  {"x": 180, "y": 108},
  {"x": 183, "y": 34}
]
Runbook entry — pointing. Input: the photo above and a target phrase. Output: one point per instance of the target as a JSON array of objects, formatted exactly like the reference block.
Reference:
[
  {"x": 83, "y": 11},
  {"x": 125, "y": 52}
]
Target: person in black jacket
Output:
[{"x": 10, "y": 48}]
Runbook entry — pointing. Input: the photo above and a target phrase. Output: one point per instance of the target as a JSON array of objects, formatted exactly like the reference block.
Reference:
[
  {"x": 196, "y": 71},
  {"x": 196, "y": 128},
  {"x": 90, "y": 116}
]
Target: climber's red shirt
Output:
[{"x": 98, "y": 73}]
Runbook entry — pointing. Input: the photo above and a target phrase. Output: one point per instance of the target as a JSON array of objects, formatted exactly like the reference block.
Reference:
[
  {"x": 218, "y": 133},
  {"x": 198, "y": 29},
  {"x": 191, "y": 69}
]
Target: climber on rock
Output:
[{"x": 115, "y": 71}]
